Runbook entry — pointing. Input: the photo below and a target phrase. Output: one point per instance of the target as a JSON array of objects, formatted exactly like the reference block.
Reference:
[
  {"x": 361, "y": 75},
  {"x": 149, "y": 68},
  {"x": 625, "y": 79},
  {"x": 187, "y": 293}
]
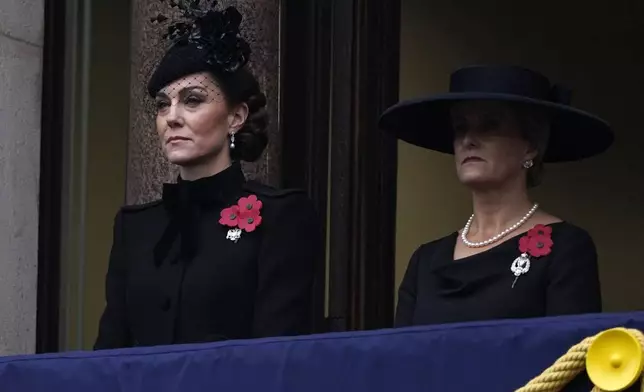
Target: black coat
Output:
[
  {"x": 436, "y": 289},
  {"x": 174, "y": 277}
]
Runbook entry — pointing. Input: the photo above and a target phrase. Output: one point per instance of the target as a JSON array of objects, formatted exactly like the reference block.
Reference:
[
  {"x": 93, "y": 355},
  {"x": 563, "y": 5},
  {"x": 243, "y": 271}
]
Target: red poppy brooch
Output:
[
  {"x": 536, "y": 243},
  {"x": 243, "y": 216}
]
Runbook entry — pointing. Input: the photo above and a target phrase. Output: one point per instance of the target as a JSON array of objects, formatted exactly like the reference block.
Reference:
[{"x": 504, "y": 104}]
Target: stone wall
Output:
[{"x": 21, "y": 44}]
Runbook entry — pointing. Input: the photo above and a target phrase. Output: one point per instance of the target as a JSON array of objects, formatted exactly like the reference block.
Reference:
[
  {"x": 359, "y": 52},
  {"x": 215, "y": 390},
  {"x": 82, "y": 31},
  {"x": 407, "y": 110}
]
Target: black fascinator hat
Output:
[
  {"x": 425, "y": 122},
  {"x": 206, "y": 39}
]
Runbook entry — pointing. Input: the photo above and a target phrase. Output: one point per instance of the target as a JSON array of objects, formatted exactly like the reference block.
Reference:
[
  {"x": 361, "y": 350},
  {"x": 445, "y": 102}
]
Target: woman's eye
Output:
[
  {"x": 193, "y": 101},
  {"x": 161, "y": 105},
  {"x": 491, "y": 124},
  {"x": 459, "y": 129}
]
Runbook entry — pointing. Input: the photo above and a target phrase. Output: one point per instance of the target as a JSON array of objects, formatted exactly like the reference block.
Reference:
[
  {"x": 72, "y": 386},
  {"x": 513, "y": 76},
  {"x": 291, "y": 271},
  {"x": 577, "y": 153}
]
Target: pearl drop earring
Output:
[{"x": 232, "y": 141}]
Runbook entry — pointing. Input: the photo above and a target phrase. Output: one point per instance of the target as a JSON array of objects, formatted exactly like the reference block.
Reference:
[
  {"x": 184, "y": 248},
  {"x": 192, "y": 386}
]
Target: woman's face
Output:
[
  {"x": 489, "y": 148},
  {"x": 194, "y": 120}
]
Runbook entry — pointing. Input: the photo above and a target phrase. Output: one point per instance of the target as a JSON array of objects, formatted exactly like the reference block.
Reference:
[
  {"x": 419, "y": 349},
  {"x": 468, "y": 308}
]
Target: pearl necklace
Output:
[{"x": 497, "y": 237}]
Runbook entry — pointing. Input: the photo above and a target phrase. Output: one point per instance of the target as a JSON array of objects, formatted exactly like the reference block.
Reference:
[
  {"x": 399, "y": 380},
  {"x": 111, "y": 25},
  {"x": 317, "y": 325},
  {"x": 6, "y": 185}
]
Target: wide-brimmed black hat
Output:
[{"x": 425, "y": 122}]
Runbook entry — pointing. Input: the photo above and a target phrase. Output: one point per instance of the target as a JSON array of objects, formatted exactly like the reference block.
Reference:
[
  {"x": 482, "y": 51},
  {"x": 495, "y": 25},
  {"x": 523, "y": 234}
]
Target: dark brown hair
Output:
[{"x": 252, "y": 138}]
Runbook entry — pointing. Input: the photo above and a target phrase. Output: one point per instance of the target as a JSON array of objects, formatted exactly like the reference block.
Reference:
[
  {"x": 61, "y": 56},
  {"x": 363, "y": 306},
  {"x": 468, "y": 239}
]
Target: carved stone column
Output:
[{"x": 147, "y": 167}]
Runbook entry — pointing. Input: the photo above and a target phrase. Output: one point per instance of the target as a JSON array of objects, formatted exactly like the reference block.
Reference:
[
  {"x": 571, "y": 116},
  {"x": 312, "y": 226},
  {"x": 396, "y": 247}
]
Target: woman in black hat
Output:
[
  {"x": 218, "y": 257},
  {"x": 511, "y": 259}
]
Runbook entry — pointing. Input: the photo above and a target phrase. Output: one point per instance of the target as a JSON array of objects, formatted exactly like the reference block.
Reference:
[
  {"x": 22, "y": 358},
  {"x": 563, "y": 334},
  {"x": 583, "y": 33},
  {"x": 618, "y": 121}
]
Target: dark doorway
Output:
[{"x": 339, "y": 72}]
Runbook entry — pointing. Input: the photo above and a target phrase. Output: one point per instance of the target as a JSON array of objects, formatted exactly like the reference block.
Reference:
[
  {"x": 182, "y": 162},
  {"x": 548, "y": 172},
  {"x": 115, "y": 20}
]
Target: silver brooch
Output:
[
  {"x": 234, "y": 234},
  {"x": 520, "y": 266}
]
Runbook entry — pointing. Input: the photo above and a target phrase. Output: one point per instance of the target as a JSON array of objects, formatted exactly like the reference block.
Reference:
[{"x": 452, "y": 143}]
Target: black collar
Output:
[
  {"x": 184, "y": 200},
  {"x": 207, "y": 191}
]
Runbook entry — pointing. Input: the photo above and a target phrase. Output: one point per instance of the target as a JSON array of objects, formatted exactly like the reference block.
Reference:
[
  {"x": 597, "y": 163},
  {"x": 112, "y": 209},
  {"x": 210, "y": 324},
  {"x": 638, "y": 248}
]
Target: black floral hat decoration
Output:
[{"x": 204, "y": 39}]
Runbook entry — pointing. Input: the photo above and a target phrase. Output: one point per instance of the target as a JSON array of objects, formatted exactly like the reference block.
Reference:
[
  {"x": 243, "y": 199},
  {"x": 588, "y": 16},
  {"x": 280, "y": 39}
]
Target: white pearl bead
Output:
[{"x": 497, "y": 237}]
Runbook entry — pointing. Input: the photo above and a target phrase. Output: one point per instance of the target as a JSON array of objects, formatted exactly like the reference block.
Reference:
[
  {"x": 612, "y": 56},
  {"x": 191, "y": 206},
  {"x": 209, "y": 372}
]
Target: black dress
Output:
[
  {"x": 436, "y": 289},
  {"x": 175, "y": 277}
]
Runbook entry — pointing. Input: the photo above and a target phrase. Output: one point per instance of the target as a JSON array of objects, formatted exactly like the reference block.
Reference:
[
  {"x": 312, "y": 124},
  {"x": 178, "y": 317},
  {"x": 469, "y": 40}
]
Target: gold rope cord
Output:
[{"x": 567, "y": 367}]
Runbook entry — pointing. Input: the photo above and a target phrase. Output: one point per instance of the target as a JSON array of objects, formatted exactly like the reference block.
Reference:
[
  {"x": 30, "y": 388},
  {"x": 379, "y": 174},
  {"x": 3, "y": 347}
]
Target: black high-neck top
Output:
[
  {"x": 438, "y": 289},
  {"x": 176, "y": 276}
]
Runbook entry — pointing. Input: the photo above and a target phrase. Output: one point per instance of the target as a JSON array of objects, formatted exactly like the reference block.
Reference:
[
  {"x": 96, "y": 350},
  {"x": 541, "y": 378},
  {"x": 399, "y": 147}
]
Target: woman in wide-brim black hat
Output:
[
  {"x": 511, "y": 259},
  {"x": 217, "y": 257}
]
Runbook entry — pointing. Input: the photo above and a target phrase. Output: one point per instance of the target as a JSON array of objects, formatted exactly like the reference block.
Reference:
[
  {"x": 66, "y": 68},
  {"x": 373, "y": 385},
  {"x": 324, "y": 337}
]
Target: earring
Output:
[
  {"x": 528, "y": 164},
  {"x": 232, "y": 141}
]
